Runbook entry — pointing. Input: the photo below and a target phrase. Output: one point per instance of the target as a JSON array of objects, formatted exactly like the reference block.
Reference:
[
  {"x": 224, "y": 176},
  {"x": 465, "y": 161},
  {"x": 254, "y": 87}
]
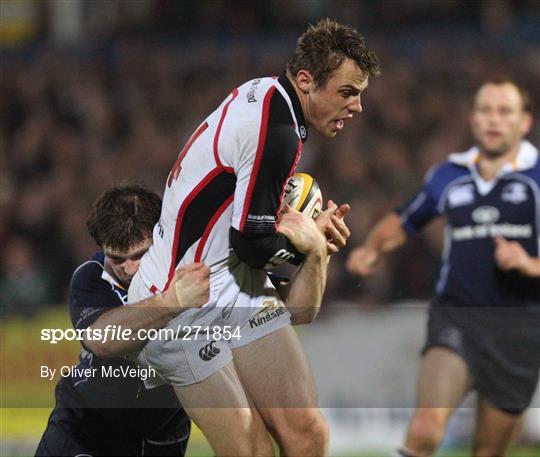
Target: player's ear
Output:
[
  {"x": 526, "y": 123},
  {"x": 471, "y": 119},
  {"x": 304, "y": 81}
]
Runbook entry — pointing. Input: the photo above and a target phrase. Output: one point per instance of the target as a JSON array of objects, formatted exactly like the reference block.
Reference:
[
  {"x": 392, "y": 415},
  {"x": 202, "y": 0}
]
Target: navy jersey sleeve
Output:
[
  {"x": 424, "y": 206},
  {"x": 90, "y": 296}
]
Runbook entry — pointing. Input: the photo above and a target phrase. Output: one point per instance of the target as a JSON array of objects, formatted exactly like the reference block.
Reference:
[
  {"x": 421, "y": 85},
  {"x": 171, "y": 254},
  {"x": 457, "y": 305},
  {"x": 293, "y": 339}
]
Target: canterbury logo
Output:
[
  {"x": 280, "y": 257},
  {"x": 209, "y": 351}
]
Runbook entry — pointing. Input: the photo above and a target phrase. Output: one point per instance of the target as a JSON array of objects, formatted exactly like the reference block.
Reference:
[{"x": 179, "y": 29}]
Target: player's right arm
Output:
[
  {"x": 94, "y": 305},
  {"x": 387, "y": 235},
  {"x": 392, "y": 230}
]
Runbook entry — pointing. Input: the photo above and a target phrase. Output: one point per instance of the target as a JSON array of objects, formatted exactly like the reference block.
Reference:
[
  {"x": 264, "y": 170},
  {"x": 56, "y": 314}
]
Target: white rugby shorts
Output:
[{"x": 244, "y": 306}]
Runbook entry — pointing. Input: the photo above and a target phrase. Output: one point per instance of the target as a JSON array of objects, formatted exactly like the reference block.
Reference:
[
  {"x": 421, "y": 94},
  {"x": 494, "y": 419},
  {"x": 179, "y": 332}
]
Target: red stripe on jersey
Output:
[
  {"x": 218, "y": 131},
  {"x": 210, "y": 226},
  {"x": 179, "y": 219},
  {"x": 177, "y": 165},
  {"x": 258, "y": 157},
  {"x": 296, "y": 159}
]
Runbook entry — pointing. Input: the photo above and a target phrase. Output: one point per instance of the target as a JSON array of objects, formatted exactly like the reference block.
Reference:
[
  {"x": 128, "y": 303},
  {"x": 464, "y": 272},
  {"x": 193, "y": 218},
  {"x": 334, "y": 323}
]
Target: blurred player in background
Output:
[
  {"x": 117, "y": 416},
  {"x": 221, "y": 205},
  {"x": 483, "y": 324}
]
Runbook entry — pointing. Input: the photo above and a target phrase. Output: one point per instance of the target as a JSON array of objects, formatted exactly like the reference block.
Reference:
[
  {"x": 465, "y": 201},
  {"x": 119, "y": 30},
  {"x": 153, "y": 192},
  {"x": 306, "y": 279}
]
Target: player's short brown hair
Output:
[
  {"x": 526, "y": 101},
  {"x": 123, "y": 217},
  {"x": 324, "y": 46}
]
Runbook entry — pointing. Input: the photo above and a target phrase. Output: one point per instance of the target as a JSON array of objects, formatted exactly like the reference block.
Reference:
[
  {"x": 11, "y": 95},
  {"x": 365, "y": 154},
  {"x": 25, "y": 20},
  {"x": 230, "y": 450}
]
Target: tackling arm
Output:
[{"x": 189, "y": 289}]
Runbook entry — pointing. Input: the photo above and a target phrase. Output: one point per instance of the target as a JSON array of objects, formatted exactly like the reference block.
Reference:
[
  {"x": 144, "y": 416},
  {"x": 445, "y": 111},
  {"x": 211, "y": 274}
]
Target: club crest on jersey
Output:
[
  {"x": 514, "y": 192},
  {"x": 461, "y": 195},
  {"x": 486, "y": 215}
]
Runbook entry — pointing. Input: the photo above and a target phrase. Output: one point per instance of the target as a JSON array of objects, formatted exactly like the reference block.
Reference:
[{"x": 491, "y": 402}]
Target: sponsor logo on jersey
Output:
[
  {"x": 266, "y": 316},
  {"x": 461, "y": 195},
  {"x": 486, "y": 215},
  {"x": 251, "y": 92},
  {"x": 303, "y": 132},
  {"x": 515, "y": 193},
  {"x": 474, "y": 232},
  {"x": 261, "y": 218},
  {"x": 209, "y": 351}
]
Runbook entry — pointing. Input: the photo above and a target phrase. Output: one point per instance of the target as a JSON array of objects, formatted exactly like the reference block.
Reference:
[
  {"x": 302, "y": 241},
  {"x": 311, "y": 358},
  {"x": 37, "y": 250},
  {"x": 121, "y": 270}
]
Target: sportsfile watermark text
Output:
[{"x": 119, "y": 333}]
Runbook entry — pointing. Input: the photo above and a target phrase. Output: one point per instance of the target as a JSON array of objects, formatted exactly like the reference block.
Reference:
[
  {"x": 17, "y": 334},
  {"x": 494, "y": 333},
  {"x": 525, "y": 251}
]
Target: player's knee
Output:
[
  {"x": 318, "y": 434},
  {"x": 303, "y": 433},
  {"x": 251, "y": 438},
  {"x": 426, "y": 431}
]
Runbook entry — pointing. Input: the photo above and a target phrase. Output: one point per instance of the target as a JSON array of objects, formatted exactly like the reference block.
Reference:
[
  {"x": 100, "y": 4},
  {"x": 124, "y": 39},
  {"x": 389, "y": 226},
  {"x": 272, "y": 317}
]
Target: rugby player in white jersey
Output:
[{"x": 221, "y": 205}]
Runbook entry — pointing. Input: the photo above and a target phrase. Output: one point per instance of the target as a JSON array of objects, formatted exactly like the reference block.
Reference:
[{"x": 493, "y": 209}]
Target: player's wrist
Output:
[
  {"x": 317, "y": 247},
  {"x": 532, "y": 267},
  {"x": 318, "y": 253},
  {"x": 169, "y": 302},
  {"x": 373, "y": 248}
]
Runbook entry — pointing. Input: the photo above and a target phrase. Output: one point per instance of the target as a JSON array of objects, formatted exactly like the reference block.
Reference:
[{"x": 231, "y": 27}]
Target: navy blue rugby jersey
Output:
[
  {"x": 477, "y": 211},
  {"x": 124, "y": 399}
]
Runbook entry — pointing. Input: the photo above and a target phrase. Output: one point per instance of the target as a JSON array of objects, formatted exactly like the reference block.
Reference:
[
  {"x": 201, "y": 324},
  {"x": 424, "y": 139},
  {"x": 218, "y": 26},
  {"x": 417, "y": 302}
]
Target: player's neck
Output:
[
  {"x": 489, "y": 166},
  {"x": 301, "y": 96}
]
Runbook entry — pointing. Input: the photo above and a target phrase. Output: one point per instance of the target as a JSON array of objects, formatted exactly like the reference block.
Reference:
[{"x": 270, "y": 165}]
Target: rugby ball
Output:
[{"x": 303, "y": 194}]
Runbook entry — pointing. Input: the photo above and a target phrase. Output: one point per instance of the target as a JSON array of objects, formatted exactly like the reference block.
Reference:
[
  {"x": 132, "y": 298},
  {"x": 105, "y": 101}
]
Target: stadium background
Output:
[{"x": 96, "y": 92}]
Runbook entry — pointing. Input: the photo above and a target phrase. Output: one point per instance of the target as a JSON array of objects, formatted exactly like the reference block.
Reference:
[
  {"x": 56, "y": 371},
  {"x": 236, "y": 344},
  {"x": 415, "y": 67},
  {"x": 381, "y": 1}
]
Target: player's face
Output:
[
  {"x": 123, "y": 265},
  {"x": 329, "y": 107},
  {"x": 498, "y": 120}
]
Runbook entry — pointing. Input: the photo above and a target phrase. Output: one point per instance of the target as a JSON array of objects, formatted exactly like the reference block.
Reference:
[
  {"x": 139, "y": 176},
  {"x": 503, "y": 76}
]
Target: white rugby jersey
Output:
[{"x": 231, "y": 173}]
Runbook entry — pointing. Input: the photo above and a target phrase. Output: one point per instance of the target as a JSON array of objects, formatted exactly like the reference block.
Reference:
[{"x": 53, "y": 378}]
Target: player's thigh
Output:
[
  {"x": 444, "y": 379},
  {"x": 222, "y": 410},
  {"x": 276, "y": 374},
  {"x": 495, "y": 429},
  {"x": 275, "y": 371}
]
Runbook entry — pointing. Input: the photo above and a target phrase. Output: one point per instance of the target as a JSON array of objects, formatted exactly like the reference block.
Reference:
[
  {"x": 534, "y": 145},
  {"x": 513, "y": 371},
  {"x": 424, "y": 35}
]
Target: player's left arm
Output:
[
  {"x": 510, "y": 255},
  {"x": 262, "y": 171},
  {"x": 303, "y": 294}
]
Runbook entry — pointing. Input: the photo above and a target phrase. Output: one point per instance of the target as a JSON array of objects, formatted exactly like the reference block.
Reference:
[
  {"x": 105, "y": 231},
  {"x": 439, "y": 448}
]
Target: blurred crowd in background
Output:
[{"x": 107, "y": 92}]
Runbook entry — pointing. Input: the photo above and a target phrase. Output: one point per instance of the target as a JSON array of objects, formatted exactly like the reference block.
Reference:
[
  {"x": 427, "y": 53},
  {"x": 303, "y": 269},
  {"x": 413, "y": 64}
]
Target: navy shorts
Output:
[
  {"x": 63, "y": 437},
  {"x": 83, "y": 431},
  {"x": 501, "y": 347}
]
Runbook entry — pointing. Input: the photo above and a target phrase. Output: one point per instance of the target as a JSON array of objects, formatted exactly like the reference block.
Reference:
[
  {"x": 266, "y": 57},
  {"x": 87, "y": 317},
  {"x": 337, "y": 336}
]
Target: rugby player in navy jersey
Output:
[
  {"x": 105, "y": 415},
  {"x": 483, "y": 329}
]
